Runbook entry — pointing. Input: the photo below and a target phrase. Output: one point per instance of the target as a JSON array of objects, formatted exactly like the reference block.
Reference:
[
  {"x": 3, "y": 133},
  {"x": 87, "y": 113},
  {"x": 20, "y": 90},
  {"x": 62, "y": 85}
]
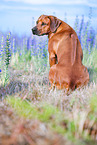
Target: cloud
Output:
[
  {"x": 17, "y": 8},
  {"x": 7, "y": 7},
  {"x": 50, "y": 1},
  {"x": 94, "y": 5},
  {"x": 31, "y": 1},
  {"x": 90, "y": 3}
]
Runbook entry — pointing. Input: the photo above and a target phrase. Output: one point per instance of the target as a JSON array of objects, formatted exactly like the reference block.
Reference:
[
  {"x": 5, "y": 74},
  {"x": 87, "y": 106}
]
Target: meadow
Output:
[{"x": 31, "y": 113}]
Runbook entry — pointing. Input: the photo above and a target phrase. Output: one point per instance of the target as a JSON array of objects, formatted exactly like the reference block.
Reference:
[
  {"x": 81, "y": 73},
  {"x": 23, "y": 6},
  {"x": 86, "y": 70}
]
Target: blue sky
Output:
[{"x": 16, "y": 15}]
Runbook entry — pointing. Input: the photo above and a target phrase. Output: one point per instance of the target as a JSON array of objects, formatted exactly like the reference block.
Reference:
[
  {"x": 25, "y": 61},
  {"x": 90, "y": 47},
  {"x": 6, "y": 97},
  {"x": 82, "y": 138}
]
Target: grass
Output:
[
  {"x": 71, "y": 125},
  {"x": 93, "y": 103},
  {"x": 90, "y": 60},
  {"x": 26, "y": 109},
  {"x": 43, "y": 112}
]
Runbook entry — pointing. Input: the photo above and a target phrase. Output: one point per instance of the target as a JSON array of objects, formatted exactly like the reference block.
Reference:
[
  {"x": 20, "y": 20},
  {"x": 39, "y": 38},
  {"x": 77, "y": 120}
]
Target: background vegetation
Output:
[{"x": 30, "y": 108}]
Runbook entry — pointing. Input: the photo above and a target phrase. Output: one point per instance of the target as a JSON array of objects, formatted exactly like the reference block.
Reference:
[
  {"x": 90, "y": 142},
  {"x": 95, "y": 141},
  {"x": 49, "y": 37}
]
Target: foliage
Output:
[{"x": 5, "y": 57}]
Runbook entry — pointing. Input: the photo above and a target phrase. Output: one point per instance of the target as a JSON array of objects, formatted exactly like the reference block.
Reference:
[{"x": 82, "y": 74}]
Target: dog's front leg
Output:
[{"x": 52, "y": 59}]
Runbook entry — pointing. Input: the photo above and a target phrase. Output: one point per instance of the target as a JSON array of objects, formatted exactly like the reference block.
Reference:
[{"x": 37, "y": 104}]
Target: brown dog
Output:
[{"x": 65, "y": 53}]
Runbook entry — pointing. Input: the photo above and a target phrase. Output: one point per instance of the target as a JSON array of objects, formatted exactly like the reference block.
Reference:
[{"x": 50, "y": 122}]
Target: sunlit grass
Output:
[
  {"x": 26, "y": 109},
  {"x": 93, "y": 102},
  {"x": 43, "y": 112},
  {"x": 71, "y": 125}
]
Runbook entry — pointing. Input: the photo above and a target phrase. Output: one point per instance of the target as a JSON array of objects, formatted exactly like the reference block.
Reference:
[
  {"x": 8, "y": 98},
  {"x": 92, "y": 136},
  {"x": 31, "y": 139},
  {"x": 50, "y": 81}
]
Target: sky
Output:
[{"x": 19, "y": 16}]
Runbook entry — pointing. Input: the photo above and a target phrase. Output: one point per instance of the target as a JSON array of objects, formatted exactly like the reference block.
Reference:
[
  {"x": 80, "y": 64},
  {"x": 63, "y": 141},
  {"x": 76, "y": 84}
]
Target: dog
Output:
[{"x": 65, "y": 53}]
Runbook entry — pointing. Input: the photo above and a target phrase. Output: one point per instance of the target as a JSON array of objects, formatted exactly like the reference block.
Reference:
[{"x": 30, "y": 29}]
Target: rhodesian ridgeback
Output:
[{"x": 65, "y": 53}]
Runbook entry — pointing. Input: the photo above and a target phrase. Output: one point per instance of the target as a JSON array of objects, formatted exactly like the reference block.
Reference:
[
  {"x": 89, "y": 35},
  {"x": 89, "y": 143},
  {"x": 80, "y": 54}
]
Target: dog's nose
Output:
[{"x": 34, "y": 29}]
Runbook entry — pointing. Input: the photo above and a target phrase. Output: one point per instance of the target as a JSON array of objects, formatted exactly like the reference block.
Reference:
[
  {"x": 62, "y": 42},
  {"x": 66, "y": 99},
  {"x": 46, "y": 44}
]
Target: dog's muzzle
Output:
[{"x": 35, "y": 31}]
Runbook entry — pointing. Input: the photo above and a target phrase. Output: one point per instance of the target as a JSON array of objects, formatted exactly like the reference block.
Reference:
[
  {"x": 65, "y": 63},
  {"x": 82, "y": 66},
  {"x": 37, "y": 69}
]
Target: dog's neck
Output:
[
  {"x": 50, "y": 35},
  {"x": 62, "y": 27}
]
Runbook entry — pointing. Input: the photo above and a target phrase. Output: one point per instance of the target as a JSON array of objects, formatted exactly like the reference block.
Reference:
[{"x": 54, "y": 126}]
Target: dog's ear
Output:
[{"x": 54, "y": 23}]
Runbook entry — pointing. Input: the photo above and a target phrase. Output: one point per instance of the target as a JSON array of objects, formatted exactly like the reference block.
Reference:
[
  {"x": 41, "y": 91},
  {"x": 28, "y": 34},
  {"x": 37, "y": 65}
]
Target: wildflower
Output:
[
  {"x": 0, "y": 70},
  {"x": 7, "y": 50},
  {"x": 43, "y": 55}
]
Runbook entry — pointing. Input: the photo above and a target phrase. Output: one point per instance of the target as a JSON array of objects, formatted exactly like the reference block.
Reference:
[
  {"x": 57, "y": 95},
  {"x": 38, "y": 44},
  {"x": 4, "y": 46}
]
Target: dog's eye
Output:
[{"x": 43, "y": 24}]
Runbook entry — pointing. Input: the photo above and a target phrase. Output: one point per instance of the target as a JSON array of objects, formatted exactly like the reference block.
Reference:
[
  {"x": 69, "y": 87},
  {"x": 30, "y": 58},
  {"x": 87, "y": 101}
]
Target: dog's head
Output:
[{"x": 45, "y": 25}]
